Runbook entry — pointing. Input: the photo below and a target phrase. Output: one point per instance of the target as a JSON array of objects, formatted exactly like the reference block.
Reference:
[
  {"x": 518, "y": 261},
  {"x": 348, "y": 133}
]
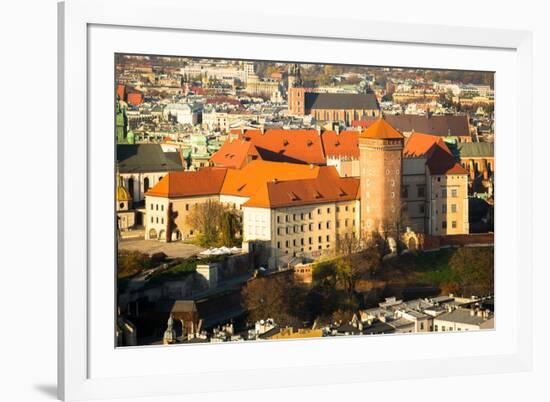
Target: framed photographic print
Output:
[{"x": 254, "y": 201}]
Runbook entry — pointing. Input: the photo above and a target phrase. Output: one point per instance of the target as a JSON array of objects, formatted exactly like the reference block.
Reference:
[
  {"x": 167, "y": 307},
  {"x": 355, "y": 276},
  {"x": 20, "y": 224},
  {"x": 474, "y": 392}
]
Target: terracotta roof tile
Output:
[
  {"x": 342, "y": 145},
  {"x": 381, "y": 129},
  {"x": 292, "y": 146},
  {"x": 206, "y": 181},
  {"x": 419, "y": 145},
  {"x": 328, "y": 186},
  {"x": 235, "y": 153},
  {"x": 247, "y": 181}
]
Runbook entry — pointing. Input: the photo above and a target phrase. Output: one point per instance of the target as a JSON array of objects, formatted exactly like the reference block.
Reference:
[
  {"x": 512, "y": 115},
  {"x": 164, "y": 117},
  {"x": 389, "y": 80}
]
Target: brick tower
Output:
[{"x": 380, "y": 153}]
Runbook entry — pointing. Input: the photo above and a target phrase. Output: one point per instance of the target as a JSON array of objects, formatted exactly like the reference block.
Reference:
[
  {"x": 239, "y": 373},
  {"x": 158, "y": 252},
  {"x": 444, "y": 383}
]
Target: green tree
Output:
[
  {"x": 205, "y": 219},
  {"x": 474, "y": 270},
  {"x": 230, "y": 226}
]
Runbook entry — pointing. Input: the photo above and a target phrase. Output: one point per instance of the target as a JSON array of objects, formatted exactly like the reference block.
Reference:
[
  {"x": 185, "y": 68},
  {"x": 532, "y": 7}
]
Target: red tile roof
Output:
[
  {"x": 206, "y": 181},
  {"x": 328, "y": 186},
  {"x": 235, "y": 153},
  {"x": 342, "y": 145},
  {"x": 292, "y": 146},
  {"x": 441, "y": 162},
  {"x": 440, "y": 159},
  {"x": 418, "y": 145},
  {"x": 247, "y": 181}
]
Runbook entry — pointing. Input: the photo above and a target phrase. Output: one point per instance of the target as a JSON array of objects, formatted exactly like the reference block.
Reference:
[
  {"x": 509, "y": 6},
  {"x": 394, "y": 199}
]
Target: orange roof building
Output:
[
  {"x": 291, "y": 146},
  {"x": 327, "y": 187},
  {"x": 235, "y": 153},
  {"x": 206, "y": 181},
  {"x": 344, "y": 144},
  {"x": 247, "y": 181},
  {"x": 436, "y": 187},
  {"x": 439, "y": 158}
]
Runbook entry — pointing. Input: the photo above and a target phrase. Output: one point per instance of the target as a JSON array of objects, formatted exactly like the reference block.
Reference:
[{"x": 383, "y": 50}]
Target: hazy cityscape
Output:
[{"x": 260, "y": 200}]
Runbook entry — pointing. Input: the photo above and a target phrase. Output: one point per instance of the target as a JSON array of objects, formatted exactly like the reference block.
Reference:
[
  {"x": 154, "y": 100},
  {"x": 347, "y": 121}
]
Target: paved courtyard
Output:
[{"x": 175, "y": 249}]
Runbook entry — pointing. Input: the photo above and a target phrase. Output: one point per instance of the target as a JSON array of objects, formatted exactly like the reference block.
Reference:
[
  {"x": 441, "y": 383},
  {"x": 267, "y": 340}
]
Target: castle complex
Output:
[{"x": 297, "y": 199}]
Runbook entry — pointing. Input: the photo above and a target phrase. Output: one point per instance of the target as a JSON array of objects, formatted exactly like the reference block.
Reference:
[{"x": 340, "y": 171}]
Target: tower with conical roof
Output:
[{"x": 380, "y": 158}]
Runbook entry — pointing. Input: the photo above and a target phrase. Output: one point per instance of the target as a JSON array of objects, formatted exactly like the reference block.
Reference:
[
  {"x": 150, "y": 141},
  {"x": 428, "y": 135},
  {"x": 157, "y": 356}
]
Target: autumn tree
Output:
[
  {"x": 474, "y": 270},
  {"x": 215, "y": 223},
  {"x": 274, "y": 296},
  {"x": 358, "y": 258},
  {"x": 204, "y": 218}
]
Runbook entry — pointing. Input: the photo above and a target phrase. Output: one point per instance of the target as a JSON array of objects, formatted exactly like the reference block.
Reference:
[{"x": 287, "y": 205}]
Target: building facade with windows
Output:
[{"x": 435, "y": 188}]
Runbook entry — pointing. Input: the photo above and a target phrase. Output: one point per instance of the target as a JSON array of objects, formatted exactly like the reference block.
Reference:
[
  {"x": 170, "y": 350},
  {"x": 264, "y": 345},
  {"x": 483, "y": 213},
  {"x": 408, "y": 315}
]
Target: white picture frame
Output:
[{"x": 80, "y": 346}]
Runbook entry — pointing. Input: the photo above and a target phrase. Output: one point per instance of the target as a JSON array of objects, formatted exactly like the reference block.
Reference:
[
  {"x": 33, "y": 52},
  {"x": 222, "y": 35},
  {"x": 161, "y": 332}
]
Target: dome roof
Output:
[{"x": 122, "y": 194}]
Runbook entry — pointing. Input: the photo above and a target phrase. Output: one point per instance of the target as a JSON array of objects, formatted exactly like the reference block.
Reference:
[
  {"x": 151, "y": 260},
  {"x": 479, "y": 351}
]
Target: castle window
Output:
[
  {"x": 444, "y": 209},
  {"x": 420, "y": 191},
  {"x": 453, "y": 208},
  {"x": 453, "y": 224},
  {"x": 405, "y": 191},
  {"x": 454, "y": 193},
  {"x": 444, "y": 225}
]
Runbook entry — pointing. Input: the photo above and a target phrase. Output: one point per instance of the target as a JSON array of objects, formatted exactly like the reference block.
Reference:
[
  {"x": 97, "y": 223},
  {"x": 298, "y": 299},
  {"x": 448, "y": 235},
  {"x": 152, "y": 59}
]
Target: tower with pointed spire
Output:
[{"x": 296, "y": 91}]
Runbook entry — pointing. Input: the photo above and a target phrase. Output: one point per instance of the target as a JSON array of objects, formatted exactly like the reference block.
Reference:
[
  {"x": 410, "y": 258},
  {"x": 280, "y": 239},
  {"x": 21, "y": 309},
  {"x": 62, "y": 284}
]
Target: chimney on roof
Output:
[
  {"x": 337, "y": 128},
  {"x": 319, "y": 131},
  {"x": 274, "y": 180}
]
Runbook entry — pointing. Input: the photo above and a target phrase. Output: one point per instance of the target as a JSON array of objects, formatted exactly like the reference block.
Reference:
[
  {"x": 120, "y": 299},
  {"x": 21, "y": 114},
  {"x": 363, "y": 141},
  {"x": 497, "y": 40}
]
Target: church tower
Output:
[
  {"x": 380, "y": 158},
  {"x": 296, "y": 91}
]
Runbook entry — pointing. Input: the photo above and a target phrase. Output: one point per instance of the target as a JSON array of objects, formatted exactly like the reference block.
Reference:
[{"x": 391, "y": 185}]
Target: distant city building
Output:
[
  {"x": 450, "y": 127},
  {"x": 142, "y": 166},
  {"x": 342, "y": 107}
]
